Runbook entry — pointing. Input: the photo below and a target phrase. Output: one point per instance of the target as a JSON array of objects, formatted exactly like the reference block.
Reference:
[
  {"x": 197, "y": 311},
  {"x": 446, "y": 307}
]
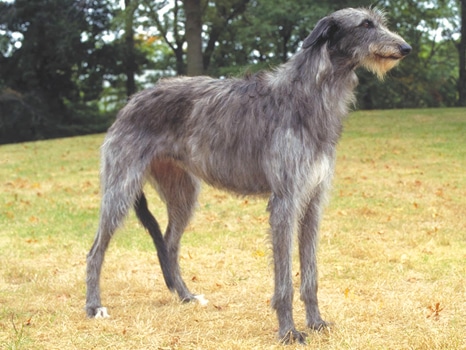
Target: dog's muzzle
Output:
[{"x": 405, "y": 49}]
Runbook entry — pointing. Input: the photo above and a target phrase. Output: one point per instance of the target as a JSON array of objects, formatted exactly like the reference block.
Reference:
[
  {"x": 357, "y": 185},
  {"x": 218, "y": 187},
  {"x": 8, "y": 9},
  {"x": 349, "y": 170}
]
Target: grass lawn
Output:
[{"x": 392, "y": 254}]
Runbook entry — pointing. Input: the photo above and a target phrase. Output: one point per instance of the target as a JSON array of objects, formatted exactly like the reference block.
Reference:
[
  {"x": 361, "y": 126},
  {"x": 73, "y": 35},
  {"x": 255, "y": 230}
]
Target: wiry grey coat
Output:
[{"x": 271, "y": 133}]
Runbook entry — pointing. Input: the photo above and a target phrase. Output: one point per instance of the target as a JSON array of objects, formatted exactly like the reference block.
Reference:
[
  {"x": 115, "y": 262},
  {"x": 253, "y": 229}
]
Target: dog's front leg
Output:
[
  {"x": 308, "y": 237},
  {"x": 282, "y": 222}
]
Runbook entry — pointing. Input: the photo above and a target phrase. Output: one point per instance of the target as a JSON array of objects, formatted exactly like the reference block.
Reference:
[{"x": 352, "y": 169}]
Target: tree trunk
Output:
[
  {"x": 194, "y": 36},
  {"x": 180, "y": 65},
  {"x": 130, "y": 64},
  {"x": 209, "y": 50},
  {"x": 462, "y": 54}
]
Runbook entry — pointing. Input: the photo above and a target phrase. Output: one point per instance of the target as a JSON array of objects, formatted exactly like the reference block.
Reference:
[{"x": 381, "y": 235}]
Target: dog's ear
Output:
[{"x": 322, "y": 32}]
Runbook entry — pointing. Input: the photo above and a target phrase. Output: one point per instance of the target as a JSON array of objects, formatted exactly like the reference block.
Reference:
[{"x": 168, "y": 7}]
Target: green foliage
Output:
[
  {"x": 254, "y": 35},
  {"x": 428, "y": 76},
  {"x": 56, "y": 65},
  {"x": 265, "y": 34},
  {"x": 64, "y": 63}
]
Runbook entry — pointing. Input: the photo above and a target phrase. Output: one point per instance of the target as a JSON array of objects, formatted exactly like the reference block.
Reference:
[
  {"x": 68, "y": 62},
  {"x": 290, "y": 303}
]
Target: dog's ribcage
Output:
[{"x": 238, "y": 142}]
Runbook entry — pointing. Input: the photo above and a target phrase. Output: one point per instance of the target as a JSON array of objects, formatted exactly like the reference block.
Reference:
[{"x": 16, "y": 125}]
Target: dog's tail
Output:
[{"x": 151, "y": 224}]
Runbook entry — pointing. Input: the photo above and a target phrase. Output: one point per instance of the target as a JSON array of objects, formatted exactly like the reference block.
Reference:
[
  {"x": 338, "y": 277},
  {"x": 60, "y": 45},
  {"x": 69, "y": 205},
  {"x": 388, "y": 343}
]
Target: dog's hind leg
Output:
[
  {"x": 179, "y": 190},
  {"x": 151, "y": 224},
  {"x": 122, "y": 179},
  {"x": 113, "y": 212},
  {"x": 95, "y": 259}
]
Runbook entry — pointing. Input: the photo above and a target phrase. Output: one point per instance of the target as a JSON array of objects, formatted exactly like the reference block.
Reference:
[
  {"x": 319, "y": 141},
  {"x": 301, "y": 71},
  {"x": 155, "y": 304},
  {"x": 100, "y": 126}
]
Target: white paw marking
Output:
[
  {"x": 201, "y": 300},
  {"x": 101, "y": 312}
]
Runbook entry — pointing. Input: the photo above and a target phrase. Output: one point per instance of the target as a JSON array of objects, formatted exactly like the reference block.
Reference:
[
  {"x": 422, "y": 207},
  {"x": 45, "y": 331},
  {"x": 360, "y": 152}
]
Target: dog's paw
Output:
[
  {"x": 293, "y": 336},
  {"x": 320, "y": 325},
  {"x": 101, "y": 312},
  {"x": 201, "y": 300}
]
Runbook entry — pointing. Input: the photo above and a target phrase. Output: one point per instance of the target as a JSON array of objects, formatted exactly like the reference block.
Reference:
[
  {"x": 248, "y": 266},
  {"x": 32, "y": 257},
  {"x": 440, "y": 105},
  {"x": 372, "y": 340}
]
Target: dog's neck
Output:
[{"x": 317, "y": 71}]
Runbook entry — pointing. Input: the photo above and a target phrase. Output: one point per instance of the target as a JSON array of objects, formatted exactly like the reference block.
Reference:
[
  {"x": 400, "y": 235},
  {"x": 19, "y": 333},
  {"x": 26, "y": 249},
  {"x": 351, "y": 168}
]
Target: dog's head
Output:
[{"x": 359, "y": 37}]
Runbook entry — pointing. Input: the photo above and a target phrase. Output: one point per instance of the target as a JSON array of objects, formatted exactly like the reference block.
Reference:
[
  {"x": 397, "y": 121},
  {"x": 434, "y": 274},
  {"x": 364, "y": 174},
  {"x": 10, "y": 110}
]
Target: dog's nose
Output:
[{"x": 405, "y": 49}]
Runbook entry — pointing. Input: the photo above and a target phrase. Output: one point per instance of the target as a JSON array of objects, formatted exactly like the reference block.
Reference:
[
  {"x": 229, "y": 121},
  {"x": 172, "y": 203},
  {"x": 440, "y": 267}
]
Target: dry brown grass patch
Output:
[{"x": 392, "y": 253}]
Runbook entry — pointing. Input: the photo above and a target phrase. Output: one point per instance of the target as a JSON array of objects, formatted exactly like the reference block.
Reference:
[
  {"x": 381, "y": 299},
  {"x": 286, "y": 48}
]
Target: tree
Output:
[
  {"x": 462, "y": 57},
  {"x": 170, "y": 25},
  {"x": 193, "y": 28},
  {"x": 56, "y": 56},
  {"x": 428, "y": 77},
  {"x": 257, "y": 34},
  {"x": 50, "y": 69},
  {"x": 171, "y": 22},
  {"x": 125, "y": 55},
  {"x": 129, "y": 56},
  {"x": 219, "y": 19}
]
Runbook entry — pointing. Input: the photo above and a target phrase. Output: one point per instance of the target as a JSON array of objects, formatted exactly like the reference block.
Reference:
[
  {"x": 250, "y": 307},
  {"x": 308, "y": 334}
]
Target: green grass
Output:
[{"x": 392, "y": 252}]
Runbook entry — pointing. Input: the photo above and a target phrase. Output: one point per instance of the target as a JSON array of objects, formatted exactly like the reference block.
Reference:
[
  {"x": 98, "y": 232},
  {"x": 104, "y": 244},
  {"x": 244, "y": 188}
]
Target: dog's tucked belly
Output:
[{"x": 225, "y": 175}]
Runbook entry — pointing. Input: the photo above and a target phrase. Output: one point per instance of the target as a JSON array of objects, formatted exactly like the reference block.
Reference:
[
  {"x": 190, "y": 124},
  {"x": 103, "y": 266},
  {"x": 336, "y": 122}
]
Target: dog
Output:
[{"x": 272, "y": 133}]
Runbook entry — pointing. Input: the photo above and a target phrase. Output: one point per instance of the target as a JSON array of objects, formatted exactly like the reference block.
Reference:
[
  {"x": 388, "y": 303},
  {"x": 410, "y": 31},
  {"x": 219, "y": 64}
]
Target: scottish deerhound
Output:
[{"x": 270, "y": 133}]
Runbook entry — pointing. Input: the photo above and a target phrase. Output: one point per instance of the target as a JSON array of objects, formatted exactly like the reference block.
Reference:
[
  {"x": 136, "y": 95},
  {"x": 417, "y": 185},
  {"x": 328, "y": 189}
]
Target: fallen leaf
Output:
[
  {"x": 435, "y": 311},
  {"x": 33, "y": 219}
]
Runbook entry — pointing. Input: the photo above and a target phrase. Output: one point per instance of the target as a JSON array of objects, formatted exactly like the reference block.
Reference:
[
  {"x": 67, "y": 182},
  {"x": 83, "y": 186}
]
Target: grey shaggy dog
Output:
[{"x": 272, "y": 133}]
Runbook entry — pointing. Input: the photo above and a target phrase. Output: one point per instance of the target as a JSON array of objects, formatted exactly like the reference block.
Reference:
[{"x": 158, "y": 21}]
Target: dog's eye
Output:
[{"x": 367, "y": 24}]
